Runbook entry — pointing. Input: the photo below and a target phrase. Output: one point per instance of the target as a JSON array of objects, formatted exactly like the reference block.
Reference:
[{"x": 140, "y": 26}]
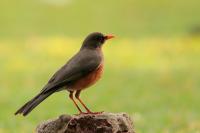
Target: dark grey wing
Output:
[{"x": 79, "y": 66}]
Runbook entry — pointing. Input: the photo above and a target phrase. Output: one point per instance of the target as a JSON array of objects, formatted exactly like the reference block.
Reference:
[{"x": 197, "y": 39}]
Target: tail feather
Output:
[{"x": 29, "y": 106}]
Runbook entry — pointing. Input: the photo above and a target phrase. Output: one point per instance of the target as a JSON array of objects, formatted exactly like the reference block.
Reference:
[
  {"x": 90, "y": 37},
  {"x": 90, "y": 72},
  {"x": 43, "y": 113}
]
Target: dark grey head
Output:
[{"x": 95, "y": 40}]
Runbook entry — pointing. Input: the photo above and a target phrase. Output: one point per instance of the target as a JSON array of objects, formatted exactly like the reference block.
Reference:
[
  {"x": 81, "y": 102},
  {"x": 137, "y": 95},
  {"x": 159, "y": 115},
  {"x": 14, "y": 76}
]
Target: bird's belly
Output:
[{"x": 88, "y": 80}]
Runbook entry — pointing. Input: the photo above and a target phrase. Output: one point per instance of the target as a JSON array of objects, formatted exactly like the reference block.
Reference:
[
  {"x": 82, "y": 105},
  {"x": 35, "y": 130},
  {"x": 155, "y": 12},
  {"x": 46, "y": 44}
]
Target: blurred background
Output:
[{"x": 151, "y": 67}]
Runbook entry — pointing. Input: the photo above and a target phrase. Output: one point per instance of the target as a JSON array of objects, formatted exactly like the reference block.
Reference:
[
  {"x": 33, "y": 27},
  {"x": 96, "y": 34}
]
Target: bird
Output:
[{"x": 83, "y": 70}]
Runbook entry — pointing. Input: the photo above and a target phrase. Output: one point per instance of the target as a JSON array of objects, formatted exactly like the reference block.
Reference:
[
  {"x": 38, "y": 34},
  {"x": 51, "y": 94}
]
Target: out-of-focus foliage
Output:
[{"x": 131, "y": 18}]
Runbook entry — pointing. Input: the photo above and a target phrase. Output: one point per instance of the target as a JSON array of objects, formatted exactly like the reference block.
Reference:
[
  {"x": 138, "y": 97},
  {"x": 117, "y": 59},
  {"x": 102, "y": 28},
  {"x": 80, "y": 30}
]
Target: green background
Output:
[{"x": 151, "y": 67}]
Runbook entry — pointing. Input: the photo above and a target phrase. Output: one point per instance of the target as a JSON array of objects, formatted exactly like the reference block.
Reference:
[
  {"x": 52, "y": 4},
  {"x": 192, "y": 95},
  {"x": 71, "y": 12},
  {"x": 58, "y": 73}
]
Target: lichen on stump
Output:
[{"x": 88, "y": 123}]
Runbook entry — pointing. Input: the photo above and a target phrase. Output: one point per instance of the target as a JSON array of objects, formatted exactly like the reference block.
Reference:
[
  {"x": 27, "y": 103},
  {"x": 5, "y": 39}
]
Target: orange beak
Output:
[{"x": 109, "y": 37}]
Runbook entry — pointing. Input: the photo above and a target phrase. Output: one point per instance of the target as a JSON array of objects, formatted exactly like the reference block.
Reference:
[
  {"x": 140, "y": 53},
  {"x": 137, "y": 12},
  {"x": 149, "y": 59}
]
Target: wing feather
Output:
[{"x": 79, "y": 66}]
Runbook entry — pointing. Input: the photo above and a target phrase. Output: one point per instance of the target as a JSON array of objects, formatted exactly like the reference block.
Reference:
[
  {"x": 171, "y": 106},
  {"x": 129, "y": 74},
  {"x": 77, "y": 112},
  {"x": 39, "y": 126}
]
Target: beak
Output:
[{"x": 108, "y": 37}]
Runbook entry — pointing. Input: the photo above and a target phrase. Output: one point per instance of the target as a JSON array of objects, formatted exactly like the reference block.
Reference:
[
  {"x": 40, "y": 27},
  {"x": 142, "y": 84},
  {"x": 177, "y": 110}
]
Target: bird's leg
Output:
[
  {"x": 71, "y": 97},
  {"x": 77, "y": 95}
]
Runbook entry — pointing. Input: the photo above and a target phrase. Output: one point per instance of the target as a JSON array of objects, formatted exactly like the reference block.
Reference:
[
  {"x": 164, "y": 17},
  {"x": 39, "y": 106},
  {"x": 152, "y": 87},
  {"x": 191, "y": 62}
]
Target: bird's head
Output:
[{"x": 95, "y": 40}]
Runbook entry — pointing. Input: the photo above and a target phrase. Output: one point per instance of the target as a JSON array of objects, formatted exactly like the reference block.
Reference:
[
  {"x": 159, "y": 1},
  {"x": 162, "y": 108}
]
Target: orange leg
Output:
[
  {"x": 77, "y": 95},
  {"x": 71, "y": 97}
]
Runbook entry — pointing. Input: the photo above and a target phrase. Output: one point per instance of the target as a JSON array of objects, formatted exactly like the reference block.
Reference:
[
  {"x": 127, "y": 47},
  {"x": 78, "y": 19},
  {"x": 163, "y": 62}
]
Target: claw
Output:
[
  {"x": 89, "y": 113},
  {"x": 93, "y": 113}
]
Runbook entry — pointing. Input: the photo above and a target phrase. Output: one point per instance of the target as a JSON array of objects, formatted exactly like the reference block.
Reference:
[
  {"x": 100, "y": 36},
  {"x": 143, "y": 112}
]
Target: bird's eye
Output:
[
  {"x": 102, "y": 39},
  {"x": 99, "y": 38}
]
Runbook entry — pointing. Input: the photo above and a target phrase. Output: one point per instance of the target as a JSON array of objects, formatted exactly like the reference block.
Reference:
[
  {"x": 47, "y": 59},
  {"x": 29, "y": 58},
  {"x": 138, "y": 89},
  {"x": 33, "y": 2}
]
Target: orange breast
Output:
[{"x": 88, "y": 80}]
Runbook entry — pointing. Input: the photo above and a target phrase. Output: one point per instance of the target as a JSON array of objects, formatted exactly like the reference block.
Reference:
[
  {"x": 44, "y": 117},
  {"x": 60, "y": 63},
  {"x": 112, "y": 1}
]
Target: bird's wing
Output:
[{"x": 80, "y": 65}]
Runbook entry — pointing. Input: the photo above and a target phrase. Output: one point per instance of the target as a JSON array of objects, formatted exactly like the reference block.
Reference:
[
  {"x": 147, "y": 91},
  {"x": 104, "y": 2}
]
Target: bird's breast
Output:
[{"x": 89, "y": 79}]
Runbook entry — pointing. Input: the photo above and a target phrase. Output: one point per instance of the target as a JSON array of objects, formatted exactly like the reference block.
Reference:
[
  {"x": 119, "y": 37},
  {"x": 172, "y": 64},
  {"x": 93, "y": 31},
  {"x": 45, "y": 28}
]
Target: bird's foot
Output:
[
  {"x": 90, "y": 112},
  {"x": 93, "y": 113}
]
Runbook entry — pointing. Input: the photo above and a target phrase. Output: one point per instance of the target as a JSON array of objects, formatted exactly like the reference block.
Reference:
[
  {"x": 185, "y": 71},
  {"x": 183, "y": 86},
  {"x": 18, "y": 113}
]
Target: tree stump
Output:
[{"x": 88, "y": 123}]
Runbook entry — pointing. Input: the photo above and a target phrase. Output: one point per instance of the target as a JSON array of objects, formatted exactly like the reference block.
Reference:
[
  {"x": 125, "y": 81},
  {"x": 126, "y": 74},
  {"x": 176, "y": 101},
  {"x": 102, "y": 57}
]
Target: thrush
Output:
[{"x": 84, "y": 69}]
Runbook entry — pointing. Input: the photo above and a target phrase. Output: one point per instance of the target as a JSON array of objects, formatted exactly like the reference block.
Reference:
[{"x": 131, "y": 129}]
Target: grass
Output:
[{"x": 155, "y": 80}]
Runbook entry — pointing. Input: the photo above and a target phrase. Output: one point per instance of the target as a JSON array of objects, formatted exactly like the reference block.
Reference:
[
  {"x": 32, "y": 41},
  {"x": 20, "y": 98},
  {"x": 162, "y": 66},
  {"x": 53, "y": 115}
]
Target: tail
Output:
[{"x": 29, "y": 106}]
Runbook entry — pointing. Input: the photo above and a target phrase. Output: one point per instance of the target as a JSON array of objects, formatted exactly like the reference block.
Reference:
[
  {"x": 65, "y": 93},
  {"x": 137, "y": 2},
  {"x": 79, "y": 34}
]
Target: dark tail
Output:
[{"x": 29, "y": 106}]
